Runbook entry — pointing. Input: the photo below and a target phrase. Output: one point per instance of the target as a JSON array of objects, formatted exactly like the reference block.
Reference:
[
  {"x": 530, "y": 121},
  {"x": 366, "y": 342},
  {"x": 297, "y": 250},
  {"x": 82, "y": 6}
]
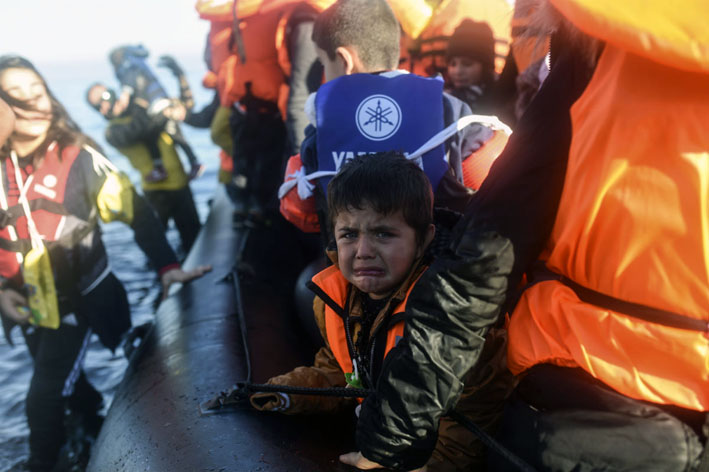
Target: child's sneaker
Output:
[
  {"x": 158, "y": 174},
  {"x": 196, "y": 171}
]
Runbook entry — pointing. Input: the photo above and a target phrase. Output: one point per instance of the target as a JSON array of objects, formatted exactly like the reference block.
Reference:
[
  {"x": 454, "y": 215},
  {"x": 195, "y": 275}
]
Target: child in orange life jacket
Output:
[
  {"x": 381, "y": 214},
  {"x": 381, "y": 209}
]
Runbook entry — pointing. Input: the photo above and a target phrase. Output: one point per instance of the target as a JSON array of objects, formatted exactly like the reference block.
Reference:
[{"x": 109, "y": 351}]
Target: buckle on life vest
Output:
[
  {"x": 5, "y": 218},
  {"x": 353, "y": 379}
]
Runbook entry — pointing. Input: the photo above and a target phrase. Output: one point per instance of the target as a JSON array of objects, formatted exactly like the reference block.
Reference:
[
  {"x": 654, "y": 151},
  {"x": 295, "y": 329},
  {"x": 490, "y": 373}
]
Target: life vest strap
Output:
[
  {"x": 11, "y": 215},
  {"x": 305, "y": 188},
  {"x": 21, "y": 246},
  {"x": 636, "y": 310}
]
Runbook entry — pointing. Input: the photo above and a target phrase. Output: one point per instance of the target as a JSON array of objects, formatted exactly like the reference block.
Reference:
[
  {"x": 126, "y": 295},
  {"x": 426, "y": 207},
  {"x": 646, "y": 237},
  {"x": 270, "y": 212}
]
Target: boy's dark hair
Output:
[
  {"x": 367, "y": 25},
  {"x": 387, "y": 182}
]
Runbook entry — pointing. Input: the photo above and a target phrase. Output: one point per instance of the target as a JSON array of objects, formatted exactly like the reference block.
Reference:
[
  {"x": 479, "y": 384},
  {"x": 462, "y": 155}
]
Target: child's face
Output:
[
  {"x": 464, "y": 71},
  {"x": 375, "y": 252}
]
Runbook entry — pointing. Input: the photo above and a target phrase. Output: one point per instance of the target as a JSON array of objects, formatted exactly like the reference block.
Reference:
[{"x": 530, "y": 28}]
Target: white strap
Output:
[
  {"x": 101, "y": 163},
  {"x": 305, "y": 188},
  {"x": 3, "y": 201},
  {"x": 441, "y": 137},
  {"x": 24, "y": 187}
]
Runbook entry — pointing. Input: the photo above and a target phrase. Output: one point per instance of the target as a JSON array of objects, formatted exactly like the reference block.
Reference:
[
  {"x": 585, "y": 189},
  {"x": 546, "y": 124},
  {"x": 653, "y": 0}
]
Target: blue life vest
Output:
[{"x": 366, "y": 113}]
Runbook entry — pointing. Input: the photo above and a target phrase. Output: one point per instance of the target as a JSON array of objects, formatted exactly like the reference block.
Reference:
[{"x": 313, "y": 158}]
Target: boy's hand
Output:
[
  {"x": 9, "y": 301},
  {"x": 180, "y": 276},
  {"x": 356, "y": 459},
  {"x": 270, "y": 401}
]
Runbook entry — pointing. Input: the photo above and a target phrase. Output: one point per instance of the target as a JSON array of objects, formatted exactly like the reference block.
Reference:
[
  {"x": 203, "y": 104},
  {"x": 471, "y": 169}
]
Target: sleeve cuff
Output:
[{"x": 174, "y": 265}]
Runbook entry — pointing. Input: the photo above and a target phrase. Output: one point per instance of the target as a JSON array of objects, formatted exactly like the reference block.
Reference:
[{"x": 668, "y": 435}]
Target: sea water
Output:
[{"x": 104, "y": 369}]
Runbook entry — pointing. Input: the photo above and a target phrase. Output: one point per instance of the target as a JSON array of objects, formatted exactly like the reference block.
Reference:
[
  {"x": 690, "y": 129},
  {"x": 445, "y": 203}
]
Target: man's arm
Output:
[
  {"x": 204, "y": 117},
  {"x": 449, "y": 313},
  {"x": 305, "y": 77},
  {"x": 505, "y": 227}
]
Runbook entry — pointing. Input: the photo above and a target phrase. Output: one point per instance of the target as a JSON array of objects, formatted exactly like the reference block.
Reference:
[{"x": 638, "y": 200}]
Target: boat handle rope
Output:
[
  {"x": 239, "y": 394},
  {"x": 241, "y": 391}
]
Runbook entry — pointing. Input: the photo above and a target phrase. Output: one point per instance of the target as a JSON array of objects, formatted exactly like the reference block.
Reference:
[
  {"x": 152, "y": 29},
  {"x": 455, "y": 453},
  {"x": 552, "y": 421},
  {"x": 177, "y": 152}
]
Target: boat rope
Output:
[
  {"x": 239, "y": 304},
  {"x": 241, "y": 391}
]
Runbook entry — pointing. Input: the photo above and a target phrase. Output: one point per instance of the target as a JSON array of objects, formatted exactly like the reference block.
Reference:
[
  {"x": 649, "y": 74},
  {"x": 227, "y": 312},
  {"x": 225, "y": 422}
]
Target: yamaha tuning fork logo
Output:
[{"x": 378, "y": 117}]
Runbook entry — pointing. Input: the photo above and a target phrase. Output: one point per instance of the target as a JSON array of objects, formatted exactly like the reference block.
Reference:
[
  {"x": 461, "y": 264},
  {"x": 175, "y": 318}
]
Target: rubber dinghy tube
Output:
[{"x": 195, "y": 350}]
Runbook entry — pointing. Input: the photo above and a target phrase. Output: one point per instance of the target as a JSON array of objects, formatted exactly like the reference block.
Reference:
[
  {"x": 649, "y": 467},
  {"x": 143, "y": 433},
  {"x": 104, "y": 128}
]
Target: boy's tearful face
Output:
[{"x": 375, "y": 252}]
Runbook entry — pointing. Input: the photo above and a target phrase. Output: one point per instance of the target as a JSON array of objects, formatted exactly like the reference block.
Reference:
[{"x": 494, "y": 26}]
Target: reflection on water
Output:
[{"x": 103, "y": 368}]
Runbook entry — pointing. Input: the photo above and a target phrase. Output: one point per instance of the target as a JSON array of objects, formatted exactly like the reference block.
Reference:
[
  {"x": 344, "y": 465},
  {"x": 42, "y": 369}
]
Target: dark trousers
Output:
[
  {"x": 57, "y": 382},
  {"x": 563, "y": 419},
  {"x": 260, "y": 145},
  {"x": 179, "y": 206}
]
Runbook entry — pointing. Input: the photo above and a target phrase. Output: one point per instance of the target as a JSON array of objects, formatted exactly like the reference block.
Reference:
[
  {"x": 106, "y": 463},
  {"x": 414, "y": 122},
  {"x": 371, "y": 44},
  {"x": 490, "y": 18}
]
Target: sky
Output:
[{"x": 64, "y": 31}]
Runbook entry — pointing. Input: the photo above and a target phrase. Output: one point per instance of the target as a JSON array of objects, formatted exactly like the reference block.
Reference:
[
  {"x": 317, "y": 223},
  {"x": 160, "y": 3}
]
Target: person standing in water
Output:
[
  {"x": 55, "y": 186},
  {"x": 132, "y": 131}
]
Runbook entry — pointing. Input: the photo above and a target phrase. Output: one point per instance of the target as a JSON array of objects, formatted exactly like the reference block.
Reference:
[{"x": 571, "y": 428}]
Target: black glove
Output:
[{"x": 170, "y": 63}]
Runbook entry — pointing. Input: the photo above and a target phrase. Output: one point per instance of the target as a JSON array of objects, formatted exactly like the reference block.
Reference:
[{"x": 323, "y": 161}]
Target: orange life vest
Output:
[
  {"x": 633, "y": 220},
  {"x": 528, "y": 45},
  {"x": 427, "y": 30},
  {"x": 336, "y": 290},
  {"x": 262, "y": 25},
  {"x": 301, "y": 213},
  {"x": 477, "y": 165},
  {"x": 220, "y": 38}
]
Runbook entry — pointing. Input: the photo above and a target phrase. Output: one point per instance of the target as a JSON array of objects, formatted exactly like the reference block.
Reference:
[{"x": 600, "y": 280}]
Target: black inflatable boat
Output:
[{"x": 195, "y": 350}]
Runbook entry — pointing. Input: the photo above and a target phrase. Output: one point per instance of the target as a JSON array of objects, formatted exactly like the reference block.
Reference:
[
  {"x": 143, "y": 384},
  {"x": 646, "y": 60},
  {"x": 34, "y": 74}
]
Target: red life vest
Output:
[
  {"x": 301, "y": 213},
  {"x": 477, "y": 165},
  {"x": 47, "y": 186}
]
